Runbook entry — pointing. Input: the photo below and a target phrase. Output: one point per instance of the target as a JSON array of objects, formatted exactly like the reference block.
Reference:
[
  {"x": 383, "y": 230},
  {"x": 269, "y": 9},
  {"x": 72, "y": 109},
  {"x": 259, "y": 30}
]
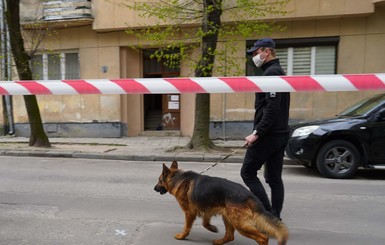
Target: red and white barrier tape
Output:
[{"x": 352, "y": 82}]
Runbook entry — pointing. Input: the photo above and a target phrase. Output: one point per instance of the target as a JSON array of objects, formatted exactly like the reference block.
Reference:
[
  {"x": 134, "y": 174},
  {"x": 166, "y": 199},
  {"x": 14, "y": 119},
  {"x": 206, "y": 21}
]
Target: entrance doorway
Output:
[{"x": 161, "y": 111}]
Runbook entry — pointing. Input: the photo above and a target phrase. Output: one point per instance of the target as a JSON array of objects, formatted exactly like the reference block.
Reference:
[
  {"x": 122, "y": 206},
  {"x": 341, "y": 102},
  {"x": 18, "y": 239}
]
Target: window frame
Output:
[{"x": 62, "y": 57}]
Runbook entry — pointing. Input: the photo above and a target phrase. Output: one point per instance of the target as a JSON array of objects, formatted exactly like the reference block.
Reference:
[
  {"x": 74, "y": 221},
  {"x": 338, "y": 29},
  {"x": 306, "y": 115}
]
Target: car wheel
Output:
[{"x": 338, "y": 159}]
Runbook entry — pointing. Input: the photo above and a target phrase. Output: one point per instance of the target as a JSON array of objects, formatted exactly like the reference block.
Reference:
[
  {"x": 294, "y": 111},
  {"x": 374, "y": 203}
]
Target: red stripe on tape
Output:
[
  {"x": 131, "y": 86},
  {"x": 186, "y": 85},
  {"x": 365, "y": 82},
  {"x": 82, "y": 87},
  {"x": 241, "y": 84},
  {"x": 3, "y": 91},
  {"x": 34, "y": 87},
  {"x": 303, "y": 83}
]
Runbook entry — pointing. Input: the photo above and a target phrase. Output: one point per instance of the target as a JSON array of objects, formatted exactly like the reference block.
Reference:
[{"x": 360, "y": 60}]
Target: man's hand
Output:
[{"x": 251, "y": 139}]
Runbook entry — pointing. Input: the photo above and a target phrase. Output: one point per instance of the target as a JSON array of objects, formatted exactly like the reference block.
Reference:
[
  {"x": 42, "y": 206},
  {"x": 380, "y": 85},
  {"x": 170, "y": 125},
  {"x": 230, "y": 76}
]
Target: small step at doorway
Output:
[{"x": 162, "y": 133}]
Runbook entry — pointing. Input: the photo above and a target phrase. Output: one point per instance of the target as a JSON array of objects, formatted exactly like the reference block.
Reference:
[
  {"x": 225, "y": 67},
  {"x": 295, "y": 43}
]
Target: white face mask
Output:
[{"x": 258, "y": 61}]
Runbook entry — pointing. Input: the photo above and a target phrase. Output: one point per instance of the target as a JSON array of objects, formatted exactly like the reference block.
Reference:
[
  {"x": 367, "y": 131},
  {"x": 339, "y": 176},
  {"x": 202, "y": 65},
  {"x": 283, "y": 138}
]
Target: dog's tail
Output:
[
  {"x": 273, "y": 227},
  {"x": 270, "y": 225}
]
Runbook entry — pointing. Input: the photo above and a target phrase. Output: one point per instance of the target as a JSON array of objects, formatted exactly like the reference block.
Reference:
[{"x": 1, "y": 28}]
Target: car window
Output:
[{"x": 363, "y": 107}]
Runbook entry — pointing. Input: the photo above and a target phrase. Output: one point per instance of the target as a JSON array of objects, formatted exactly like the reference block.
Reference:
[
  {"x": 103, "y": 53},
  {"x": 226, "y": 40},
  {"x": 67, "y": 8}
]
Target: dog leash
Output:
[{"x": 222, "y": 159}]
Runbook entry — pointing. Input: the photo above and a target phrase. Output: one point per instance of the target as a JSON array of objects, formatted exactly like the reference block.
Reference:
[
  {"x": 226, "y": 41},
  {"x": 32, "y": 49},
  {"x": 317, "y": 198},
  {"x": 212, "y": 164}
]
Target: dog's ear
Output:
[
  {"x": 166, "y": 170},
  {"x": 174, "y": 165}
]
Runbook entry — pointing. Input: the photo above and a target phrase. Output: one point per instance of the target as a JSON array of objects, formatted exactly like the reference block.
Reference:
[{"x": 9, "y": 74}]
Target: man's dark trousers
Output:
[{"x": 268, "y": 150}]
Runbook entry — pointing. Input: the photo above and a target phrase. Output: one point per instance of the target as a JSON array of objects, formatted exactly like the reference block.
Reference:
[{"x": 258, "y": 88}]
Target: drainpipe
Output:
[
  {"x": 224, "y": 99},
  {"x": 9, "y": 76},
  {"x": 224, "y": 117},
  {"x": 6, "y": 65}
]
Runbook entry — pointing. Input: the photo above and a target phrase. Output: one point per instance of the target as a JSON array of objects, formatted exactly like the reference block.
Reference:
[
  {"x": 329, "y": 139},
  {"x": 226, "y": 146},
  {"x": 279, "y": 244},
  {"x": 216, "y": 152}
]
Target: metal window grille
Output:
[{"x": 55, "y": 66}]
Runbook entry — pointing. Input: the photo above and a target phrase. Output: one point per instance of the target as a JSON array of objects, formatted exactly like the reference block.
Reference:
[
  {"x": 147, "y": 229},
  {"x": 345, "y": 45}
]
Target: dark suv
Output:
[{"x": 338, "y": 146}]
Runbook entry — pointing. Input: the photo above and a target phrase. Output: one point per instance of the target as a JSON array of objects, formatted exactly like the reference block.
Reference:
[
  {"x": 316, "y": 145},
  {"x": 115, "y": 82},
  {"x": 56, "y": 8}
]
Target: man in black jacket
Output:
[{"x": 267, "y": 142}]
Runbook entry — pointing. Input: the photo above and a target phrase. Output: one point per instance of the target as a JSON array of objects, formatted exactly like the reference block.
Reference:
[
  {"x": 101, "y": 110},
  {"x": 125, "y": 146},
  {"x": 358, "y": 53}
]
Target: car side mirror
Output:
[{"x": 380, "y": 115}]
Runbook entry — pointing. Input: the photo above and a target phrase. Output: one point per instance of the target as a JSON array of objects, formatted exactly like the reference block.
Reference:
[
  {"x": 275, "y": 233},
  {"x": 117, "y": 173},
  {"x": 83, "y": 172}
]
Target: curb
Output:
[{"x": 199, "y": 157}]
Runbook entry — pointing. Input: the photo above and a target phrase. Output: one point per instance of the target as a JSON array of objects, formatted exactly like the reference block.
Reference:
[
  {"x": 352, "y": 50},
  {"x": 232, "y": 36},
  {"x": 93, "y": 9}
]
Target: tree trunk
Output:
[
  {"x": 38, "y": 137},
  {"x": 210, "y": 26},
  {"x": 201, "y": 137}
]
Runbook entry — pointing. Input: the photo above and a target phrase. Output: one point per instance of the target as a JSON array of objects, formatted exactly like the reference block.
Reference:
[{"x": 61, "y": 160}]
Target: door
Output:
[
  {"x": 161, "y": 111},
  {"x": 171, "y": 111},
  {"x": 377, "y": 141}
]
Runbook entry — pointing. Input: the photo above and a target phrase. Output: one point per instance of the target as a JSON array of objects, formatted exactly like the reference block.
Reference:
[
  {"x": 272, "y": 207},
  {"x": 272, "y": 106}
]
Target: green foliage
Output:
[{"x": 183, "y": 26}]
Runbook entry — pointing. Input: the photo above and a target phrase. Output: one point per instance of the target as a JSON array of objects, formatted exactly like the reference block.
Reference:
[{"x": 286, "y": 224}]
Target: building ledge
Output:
[{"x": 58, "y": 24}]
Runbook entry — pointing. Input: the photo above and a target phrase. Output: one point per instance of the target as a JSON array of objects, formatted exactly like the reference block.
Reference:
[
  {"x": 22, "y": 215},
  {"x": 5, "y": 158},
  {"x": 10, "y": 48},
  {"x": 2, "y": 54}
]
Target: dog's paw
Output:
[
  {"x": 212, "y": 228},
  {"x": 218, "y": 242},
  {"x": 180, "y": 236},
  {"x": 227, "y": 238}
]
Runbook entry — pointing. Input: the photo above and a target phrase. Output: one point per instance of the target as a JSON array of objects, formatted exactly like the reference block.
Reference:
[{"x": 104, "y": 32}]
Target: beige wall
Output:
[
  {"x": 113, "y": 14},
  {"x": 95, "y": 50},
  {"x": 358, "y": 23},
  {"x": 358, "y": 52},
  {"x": 132, "y": 105}
]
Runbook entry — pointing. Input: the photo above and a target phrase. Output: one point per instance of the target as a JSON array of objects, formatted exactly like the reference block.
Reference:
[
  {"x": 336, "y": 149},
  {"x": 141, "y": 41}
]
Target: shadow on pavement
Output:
[{"x": 162, "y": 233}]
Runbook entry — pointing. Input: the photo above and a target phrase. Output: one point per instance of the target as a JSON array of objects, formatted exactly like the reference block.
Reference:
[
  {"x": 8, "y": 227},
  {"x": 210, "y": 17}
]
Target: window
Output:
[
  {"x": 315, "y": 60},
  {"x": 306, "y": 56},
  {"x": 55, "y": 66}
]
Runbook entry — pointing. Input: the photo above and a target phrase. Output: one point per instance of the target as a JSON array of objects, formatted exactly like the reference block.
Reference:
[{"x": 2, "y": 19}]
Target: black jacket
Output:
[{"x": 272, "y": 109}]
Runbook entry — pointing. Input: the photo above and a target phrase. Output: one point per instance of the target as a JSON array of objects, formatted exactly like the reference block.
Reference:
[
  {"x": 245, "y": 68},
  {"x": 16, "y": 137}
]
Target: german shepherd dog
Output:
[{"x": 205, "y": 196}]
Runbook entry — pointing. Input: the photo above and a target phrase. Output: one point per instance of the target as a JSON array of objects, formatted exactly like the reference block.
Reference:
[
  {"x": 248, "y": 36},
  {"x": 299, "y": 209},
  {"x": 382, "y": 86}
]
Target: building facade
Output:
[{"x": 87, "y": 40}]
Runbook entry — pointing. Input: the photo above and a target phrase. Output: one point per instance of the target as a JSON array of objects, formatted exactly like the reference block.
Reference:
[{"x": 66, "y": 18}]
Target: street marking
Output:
[{"x": 120, "y": 232}]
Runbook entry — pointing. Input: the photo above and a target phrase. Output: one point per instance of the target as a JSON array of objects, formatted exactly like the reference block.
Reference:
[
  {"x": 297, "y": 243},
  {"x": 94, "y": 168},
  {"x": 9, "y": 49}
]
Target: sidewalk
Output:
[{"x": 127, "y": 148}]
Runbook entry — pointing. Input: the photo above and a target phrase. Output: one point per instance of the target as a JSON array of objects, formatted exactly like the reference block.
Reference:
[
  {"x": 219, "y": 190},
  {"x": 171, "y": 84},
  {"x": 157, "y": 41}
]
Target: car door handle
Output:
[{"x": 362, "y": 127}]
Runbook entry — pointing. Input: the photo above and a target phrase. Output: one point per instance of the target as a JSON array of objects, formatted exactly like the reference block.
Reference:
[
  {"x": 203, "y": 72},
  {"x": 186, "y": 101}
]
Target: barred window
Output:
[{"x": 56, "y": 66}]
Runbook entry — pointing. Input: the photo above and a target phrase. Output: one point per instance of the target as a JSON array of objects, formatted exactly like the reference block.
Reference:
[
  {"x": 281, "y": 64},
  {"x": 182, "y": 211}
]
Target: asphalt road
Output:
[{"x": 80, "y": 201}]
